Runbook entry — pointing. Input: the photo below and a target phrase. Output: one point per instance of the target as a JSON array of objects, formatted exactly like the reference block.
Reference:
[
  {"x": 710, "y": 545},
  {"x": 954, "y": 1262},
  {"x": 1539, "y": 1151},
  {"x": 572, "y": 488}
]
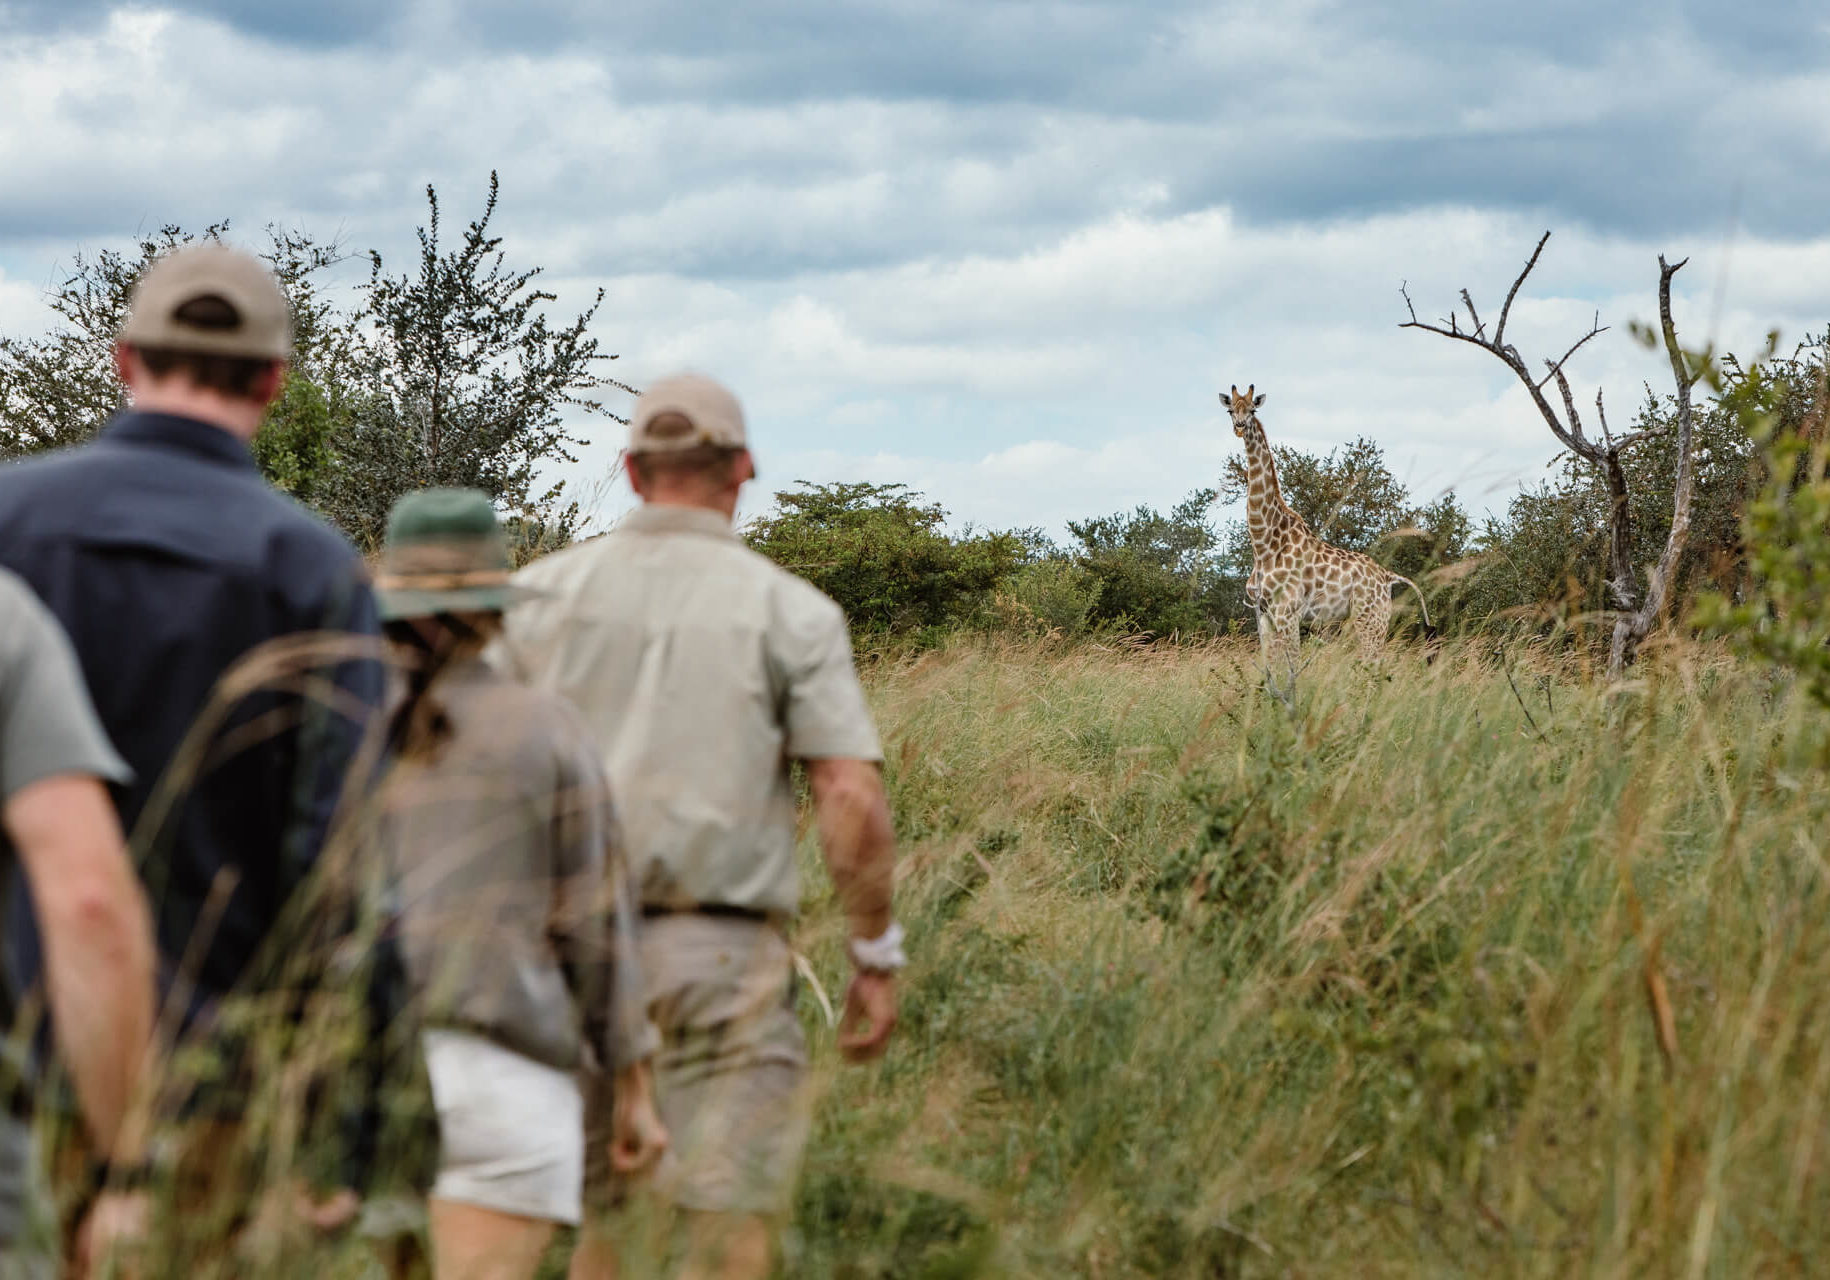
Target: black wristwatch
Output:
[{"x": 106, "y": 1176}]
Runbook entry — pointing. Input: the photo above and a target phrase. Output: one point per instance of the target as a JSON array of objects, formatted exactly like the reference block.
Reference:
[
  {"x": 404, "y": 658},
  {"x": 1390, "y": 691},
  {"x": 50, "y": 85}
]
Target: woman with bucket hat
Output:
[{"x": 516, "y": 915}]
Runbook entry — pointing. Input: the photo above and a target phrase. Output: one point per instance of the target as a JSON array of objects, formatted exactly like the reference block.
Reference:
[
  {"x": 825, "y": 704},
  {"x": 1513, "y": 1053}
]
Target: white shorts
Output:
[{"x": 511, "y": 1130}]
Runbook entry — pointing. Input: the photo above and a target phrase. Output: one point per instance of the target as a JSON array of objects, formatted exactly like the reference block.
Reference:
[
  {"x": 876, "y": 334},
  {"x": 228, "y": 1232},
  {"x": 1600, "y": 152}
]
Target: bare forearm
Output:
[
  {"x": 857, "y": 839},
  {"x": 99, "y": 975},
  {"x": 98, "y": 946}
]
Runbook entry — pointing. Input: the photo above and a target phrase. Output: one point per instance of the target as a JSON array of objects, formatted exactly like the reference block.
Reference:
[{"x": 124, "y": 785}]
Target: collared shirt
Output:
[
  {"x": 167, "y": 558},
  {"x": 517, "y": 908},
  {"x": 704, "y": 669}
]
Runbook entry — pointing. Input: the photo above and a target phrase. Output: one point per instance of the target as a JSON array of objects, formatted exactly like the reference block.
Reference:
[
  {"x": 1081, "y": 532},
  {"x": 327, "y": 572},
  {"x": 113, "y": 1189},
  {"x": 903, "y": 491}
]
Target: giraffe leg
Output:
[
  {"x": 1281, "y": 628},
  {"x": 1372, "y": 617}
]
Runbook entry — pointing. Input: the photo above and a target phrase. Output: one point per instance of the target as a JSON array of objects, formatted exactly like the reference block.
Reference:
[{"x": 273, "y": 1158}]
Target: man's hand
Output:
[
  {"x": 637, "y": 1136},
  {"x": 115, "y": 1226},
  {"x": 870, "y": 1016}
]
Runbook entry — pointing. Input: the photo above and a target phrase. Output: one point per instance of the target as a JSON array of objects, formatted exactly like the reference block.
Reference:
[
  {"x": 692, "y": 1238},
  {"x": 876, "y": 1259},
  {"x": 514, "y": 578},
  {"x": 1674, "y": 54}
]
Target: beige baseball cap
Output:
[
  {"x": 255, "y": 323},
  {"x": 712, "y": 412}
]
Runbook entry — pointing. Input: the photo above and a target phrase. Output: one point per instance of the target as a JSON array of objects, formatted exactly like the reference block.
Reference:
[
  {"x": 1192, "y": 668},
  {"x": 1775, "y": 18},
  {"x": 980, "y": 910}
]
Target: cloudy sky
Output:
[{"x": 1005, "y": 252}]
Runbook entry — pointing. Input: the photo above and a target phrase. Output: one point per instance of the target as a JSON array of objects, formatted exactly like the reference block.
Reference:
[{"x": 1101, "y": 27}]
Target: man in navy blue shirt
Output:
[{"x": 167, "y": 558}]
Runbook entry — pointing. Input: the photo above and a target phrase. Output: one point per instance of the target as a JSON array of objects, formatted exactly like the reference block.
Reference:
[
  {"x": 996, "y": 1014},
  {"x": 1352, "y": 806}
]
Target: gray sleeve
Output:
[
  {"x": 823, "y": 707},
  {"x": 578, "y": 924},
  {"x": 602, "y": 951},
  {"x": 47, "y": 724}
]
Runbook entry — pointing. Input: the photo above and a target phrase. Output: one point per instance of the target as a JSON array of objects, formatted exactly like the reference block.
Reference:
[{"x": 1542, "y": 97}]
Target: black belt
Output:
[{"x": 650, "y": 912}]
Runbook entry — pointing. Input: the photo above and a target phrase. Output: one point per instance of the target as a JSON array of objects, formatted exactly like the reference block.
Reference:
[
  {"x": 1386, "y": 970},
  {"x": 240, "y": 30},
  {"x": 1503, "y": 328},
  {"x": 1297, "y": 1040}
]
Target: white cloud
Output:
[
  {"x": 22, "y": 309},
  {"x": 1022, "y": 302}
]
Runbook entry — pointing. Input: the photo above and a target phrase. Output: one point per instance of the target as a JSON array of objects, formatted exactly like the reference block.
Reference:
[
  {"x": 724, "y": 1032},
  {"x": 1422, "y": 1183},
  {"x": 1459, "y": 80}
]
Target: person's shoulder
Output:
[
  {"x": 23, "y": 617},
  {"x": 16, "y": 597},
  {"x": 525, "y": 721},
  {"x": 798, "y": 603},
  {"x": 42, "y": 478},
  {"x": 566, "y": 564},
  {"x": 22, "y": 610},
  {"x": 296, "y": 522},
  {"x": 302, "y": 546},
  {"x": 28, "y": 629}
]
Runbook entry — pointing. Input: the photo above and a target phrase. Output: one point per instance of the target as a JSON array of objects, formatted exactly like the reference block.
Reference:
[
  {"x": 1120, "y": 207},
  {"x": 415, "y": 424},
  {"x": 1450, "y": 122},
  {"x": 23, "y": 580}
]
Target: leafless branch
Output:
[
  {"x": 1473, "y": 315},
  {"x": 1569, "y": 407},
  {"x": 1603, "y": 454},
  {"x": 1682, "y": 376},
  {"x": 1499, "y": 333},
  {"x": 1631, "y": 630},
  {"x": 1602, "y": 413},
  {"x": 1555, "y": 368}
]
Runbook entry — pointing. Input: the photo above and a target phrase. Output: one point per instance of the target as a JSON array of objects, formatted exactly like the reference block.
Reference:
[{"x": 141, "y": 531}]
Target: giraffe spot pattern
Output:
[{"x": 1296, "y": 577}]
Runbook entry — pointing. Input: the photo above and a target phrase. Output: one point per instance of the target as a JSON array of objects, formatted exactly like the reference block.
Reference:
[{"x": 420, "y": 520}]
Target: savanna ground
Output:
[{"x": 1486, "y": 967}]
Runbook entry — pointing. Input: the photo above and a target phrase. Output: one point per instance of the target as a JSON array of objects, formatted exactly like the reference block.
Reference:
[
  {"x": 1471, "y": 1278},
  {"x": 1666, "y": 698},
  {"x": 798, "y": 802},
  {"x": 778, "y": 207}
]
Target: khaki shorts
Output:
[{"x": 730, "y": 1075}]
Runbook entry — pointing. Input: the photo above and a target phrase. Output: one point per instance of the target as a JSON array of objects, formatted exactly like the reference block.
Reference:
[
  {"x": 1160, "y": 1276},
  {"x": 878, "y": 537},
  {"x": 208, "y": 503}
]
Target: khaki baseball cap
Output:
[
  {"x": 256, "y": 324},
  {"x": 713, "y": 413}
]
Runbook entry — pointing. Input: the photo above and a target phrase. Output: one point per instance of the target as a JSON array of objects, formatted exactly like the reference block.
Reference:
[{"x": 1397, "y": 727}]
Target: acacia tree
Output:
[
  {"x": 460, "y": 380},
  {"x": 1635, "y": 611}
]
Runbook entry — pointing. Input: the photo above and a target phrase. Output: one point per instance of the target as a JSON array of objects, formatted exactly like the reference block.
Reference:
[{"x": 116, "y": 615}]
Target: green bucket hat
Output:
[{"x": 445, "y": 553}]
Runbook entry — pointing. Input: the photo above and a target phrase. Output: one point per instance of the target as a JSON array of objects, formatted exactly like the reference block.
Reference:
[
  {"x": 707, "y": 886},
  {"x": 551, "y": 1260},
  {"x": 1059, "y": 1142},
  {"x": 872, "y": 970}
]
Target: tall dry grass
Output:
[
  {"x": 1483, "y": 967},
  {"x": 1478, "y": 968}
]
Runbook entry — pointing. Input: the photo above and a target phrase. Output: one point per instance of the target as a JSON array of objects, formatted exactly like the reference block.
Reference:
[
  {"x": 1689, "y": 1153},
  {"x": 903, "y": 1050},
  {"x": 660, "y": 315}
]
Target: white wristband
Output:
[{"x": 879, "y": 955}]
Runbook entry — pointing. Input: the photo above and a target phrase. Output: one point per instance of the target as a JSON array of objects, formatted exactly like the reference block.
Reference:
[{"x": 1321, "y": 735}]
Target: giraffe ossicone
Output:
[{"x": 1296, "y": 577}]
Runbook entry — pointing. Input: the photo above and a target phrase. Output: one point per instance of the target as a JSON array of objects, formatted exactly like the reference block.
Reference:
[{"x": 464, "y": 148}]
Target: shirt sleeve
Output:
[
  {"x": 823, "y": 707},
  {"x": 517, "y": 650},
  {"x": 47, "y": 724},
  {"x": 595, "y": 926}
]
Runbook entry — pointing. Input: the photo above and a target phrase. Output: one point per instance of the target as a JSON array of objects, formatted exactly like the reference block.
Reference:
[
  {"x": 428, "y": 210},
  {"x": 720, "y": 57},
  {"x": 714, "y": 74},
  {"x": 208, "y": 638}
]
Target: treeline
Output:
[
  {"x": 886, "y": 554},
  {"x": 450, "y": 372}
]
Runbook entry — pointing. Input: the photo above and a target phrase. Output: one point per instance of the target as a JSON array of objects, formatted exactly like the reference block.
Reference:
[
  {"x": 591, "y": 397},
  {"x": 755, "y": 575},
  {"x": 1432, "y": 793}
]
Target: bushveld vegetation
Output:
[{"x": 1490, "y": 966}]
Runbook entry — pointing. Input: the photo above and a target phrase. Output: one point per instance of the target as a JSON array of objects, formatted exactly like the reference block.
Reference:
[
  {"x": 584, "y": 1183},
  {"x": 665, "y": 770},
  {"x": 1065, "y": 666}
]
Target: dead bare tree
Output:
[{"x": 1634, "y": 613}]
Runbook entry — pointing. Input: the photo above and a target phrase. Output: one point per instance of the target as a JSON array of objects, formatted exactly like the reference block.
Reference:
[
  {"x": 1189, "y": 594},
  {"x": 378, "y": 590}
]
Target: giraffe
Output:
[{"x": 1296, "y": 577}]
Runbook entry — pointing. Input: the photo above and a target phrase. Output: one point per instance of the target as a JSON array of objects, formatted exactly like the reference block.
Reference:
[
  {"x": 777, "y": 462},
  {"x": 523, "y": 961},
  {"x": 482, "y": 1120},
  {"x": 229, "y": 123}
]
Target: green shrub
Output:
[
  {"x": 882, "y": 553},
  {"x": 1783, "y": 617},
  {"x": 1050, "y": 596}
]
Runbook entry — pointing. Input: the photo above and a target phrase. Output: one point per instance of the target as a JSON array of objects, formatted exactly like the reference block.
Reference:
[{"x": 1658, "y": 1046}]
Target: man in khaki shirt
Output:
[{"x": 705, "y": 670}]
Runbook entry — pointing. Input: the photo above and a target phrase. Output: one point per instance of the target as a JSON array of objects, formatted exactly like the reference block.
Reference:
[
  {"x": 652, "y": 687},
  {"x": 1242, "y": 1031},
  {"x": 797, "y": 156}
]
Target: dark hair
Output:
[
  {"x": 419, "y": 727},
  {"x": 712, "y": 462},
  {"x": 231, "y": 375}
]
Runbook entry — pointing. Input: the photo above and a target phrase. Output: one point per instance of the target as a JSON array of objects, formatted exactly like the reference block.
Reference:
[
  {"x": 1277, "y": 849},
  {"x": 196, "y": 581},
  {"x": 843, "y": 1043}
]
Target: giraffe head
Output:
[{"x": 1244, "y": 408}]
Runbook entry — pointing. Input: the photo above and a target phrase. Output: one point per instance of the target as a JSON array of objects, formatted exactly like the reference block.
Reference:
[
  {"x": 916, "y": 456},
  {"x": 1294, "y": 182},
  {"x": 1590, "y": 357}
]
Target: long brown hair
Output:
[{"x": 419, "y": 727}]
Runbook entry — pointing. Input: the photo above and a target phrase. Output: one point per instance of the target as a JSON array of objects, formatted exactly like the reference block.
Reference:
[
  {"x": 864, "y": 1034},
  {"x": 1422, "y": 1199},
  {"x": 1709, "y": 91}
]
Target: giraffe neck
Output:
[{"x": 1266, "y": 512}]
